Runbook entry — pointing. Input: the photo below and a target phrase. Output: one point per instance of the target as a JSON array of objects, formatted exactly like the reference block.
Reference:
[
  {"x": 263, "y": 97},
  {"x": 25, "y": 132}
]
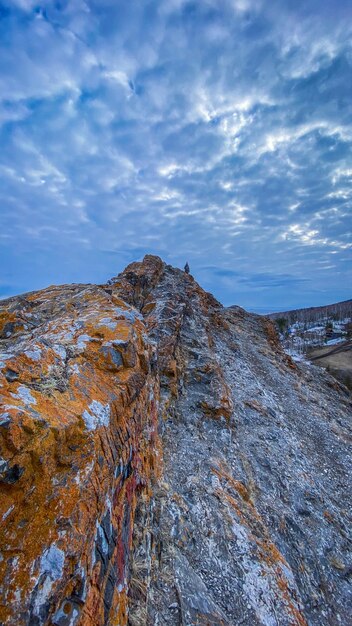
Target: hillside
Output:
[
  {"x": 164, "y": 462},
  {"x": 337, "y": 311},
  {"x": 337, "y": 359},
  {"x": 321, "y": 335}
]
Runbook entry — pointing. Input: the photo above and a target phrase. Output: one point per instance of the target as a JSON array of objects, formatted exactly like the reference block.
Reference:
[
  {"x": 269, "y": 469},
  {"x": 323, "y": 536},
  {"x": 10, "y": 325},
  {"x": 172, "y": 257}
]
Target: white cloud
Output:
[{"x": 216, "y": 128}]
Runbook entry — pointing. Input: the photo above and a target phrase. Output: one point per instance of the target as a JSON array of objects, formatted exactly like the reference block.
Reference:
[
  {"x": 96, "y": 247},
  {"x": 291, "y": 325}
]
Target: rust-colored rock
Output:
[{"x": 78, "y": 444}]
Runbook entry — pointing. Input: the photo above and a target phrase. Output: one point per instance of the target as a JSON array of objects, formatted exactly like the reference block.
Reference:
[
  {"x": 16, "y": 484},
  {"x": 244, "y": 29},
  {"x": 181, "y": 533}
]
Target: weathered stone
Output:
[
  {"x": 196, "y": 604},
  {"x": 10, "y": 474},
  {"x": 164, "y": 462},
  {"x": 67, "y": 515},
  {"x": 11, "y": 375}
]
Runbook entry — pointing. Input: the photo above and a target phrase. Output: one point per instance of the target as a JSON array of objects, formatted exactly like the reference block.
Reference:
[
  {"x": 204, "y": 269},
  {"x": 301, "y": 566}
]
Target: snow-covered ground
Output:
[
  {"x": 295, "y": 356},
  {"x": 300, "y": 337},
  {"x": 333, "y": 342}
]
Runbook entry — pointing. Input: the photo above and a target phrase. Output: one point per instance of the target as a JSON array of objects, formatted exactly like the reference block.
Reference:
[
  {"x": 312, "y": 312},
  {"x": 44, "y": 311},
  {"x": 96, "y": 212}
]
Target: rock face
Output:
[{"x": 164, "y": 462}]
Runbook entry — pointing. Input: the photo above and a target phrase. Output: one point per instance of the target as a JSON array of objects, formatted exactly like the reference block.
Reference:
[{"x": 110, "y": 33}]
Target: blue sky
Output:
[{"x": 214, "y": 131}]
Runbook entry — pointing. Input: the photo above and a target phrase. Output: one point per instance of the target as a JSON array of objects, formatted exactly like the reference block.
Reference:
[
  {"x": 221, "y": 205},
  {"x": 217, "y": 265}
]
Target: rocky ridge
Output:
[{"x": 164, "y": 462}]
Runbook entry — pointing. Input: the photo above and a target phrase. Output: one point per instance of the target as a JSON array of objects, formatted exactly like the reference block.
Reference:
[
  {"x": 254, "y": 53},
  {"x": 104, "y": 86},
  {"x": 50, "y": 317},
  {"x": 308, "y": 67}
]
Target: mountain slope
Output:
[
  {"x": 166, "y": 463},
  {"x": 340, "y": 310}
]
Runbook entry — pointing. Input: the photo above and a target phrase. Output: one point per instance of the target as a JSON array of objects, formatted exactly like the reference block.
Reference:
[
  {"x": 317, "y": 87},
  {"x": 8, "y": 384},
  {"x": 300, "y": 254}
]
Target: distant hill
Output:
[{"x": 339, "y": 310}]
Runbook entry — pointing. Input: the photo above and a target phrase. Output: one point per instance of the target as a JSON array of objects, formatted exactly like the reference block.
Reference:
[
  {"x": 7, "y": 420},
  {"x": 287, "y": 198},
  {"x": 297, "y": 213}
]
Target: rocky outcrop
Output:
[
  {"x": 164, "y": 462},
  {"x": 79, "y": 447}
]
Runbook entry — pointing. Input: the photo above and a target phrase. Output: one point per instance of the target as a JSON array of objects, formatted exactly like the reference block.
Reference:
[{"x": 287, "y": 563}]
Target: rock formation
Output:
[{"x": 163, "y": 462}]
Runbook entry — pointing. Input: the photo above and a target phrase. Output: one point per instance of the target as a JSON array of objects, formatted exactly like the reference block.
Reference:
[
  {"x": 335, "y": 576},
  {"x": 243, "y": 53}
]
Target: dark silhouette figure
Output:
[{"x": 187, "y": 268}]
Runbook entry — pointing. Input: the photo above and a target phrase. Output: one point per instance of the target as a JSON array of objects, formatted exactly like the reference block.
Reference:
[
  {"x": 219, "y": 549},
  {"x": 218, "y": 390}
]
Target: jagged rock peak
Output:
[
  {"x": 163, "y": 461},
  {"x": 139, "y": 279}
]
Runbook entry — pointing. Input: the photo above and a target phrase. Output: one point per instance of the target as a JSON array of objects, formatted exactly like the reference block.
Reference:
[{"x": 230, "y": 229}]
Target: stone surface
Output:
[
  {"x": 78, "y": 446},
  {"x": 163, "y": 462}
]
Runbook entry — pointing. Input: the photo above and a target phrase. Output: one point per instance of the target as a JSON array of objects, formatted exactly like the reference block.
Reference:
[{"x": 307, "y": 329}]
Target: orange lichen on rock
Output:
[
  {"x": 9, "y": 324},
  {"x": 78, "y": 424},
  {"x": 274, "y": 341},
  {"x": 254, "y": 404}
]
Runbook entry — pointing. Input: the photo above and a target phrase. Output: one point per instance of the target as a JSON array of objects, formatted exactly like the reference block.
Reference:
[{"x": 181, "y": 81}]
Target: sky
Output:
[{"x": 217, "y": 132}]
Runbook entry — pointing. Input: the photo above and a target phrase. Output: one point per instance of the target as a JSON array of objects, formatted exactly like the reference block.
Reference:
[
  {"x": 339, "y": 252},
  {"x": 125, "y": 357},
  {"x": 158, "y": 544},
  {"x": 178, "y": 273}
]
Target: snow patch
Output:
[
  {"x": 333, "y": 342},
  {"x": 295, "y": 356}
]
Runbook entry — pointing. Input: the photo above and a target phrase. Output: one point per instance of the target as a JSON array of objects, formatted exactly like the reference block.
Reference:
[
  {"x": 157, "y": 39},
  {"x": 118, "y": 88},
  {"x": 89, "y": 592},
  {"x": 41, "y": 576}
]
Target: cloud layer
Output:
[{"x": 214, "y": 131}]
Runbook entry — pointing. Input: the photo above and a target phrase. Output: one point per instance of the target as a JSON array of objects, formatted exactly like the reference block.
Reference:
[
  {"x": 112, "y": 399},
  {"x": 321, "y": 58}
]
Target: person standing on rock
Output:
[{"x": 187, "y": 268}]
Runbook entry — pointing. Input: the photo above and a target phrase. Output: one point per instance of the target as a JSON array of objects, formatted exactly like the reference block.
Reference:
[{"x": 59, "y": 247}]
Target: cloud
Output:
[{"x": 216, "y": 131}]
